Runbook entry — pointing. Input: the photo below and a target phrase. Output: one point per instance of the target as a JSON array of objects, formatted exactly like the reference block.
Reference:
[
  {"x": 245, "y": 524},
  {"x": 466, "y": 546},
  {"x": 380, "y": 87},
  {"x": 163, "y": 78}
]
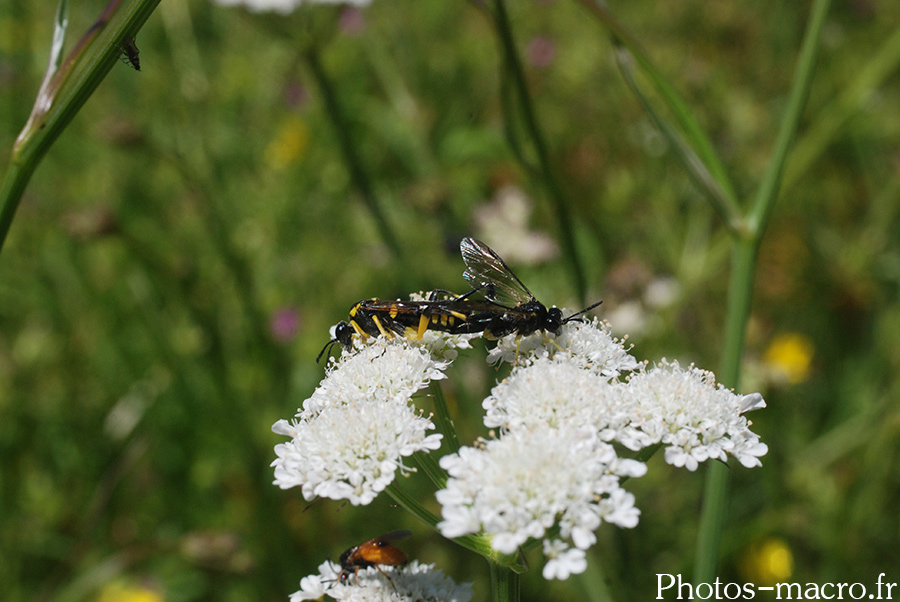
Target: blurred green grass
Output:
[{"x": 191, "y": 202}]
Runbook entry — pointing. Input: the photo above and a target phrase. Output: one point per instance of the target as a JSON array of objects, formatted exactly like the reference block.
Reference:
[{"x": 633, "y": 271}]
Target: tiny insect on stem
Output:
[{"x": 131, "y": 53}]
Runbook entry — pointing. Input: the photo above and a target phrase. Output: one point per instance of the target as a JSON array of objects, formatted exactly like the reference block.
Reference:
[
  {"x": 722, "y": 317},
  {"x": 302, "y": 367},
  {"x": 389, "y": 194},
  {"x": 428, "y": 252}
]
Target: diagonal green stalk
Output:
[
  {"x": 431, "y": 468},
  {"x": 830, "y": 120},
  {"x": 64, "y": 93},
  {"x": 529, "y": 117},
  {"x": 693, "y": 165},
  {"x": 443, "y": 418},
  {"x": 743, "y": 271},
  {"x": 479, "y": 544},
  {"x": 688, "y": 124},
  {"x": 348, "y": 148},
  {"x": 768, "y": 190}
]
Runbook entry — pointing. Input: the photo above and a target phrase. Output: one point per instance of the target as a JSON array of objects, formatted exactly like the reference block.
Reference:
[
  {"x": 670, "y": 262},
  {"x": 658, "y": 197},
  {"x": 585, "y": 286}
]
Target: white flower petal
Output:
[
  {"x": 562, "y": 560},
  {"x": 517, "y": 487},
  {"x": 695, "y": 418},
  {"x": 351, "y": 451},
  {"x": 586, "y": 343},
  {"x": 415, "y": 581}
]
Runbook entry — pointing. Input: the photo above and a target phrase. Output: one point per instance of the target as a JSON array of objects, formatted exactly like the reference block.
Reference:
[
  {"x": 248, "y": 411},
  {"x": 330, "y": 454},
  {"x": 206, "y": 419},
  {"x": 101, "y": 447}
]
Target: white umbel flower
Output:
[
  {"x": 413, "y": 583},
  {"x": 350, "y": 437},
  {"x": 550, "y": 393},
  {"x": 588, "y": 344},
  {"x": 560, "y": 392},
  {"x": 516, "y": 488},
  {"x": 693, "y": 417},
  {"x": 386, "y": 370}
]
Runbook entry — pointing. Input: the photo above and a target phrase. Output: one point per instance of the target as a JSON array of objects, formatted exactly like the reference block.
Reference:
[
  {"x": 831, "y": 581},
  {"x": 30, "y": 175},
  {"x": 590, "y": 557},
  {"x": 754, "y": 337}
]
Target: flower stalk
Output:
[
  {"x": 67, "y": 86},
  {"x": 513, "y": 69}
]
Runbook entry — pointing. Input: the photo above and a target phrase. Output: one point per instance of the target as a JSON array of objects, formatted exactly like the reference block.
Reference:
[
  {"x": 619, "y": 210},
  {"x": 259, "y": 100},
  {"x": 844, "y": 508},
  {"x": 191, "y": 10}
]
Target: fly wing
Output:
[
  {"x": 488, "y": 273},
  {"x": 380, "y": 551}
]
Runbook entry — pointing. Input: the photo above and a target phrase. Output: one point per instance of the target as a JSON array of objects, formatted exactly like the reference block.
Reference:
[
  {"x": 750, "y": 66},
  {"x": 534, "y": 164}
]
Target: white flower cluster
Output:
[
  {"x": 587, "y": 344},
  {"x": 569, "y": 382},
  {"x": 414, "y": 583},
  {"x": 692, "y": 416},
  {"x": 519, "y": 486},
  {"x": 349, "y": 438},
  {"x": 553, "y": 473}
]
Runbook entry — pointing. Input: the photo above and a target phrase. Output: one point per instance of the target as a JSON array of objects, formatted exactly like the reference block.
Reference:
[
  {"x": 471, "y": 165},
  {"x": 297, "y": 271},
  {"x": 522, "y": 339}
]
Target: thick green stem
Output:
[
  {"x": 809, "y": 52},
  {"x": 412, "y": 505},
  {"x": 740, "y": 290},
  {"x": 504, "y": 584},
  {"x": 13, "y": 187},
  {"x": 535, "y": 133},
  {"x": 66, "y": 92},
  {"x": 431, "y": 468}
]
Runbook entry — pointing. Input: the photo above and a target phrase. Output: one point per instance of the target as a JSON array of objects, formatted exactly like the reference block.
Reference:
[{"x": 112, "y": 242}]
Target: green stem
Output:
[
  {"x": 13, "y": 187},
  {"x": 740, "y": 294},
  {"x": 67, "y": 91},
  {"x": 442, "y": 417},
  {"x": 479, "y": 544},
  {"x": 709, "y": 534},
  {"x": 809, "y": 52},
  {"x": 504, "y": 584},
  {"x": 412, "y": 505},
  {"x": 348, "y": 148},
  {"x": 535, "y": 133},
  {"x": 431, "y": 468},
  {"x": 830, "y": 120},
  {"x": 644, "y": 456},
  {"x": 740, "y": 289}
]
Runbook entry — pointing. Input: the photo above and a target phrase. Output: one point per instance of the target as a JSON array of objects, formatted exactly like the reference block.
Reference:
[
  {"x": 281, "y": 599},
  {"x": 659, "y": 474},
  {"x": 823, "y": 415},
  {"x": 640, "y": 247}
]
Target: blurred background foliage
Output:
[{"x": 182, "y": 250}]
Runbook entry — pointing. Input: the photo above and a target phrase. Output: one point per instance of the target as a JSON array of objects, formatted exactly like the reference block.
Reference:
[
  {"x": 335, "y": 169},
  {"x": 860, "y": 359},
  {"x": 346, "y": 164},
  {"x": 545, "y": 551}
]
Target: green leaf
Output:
[{"x": 690, "y": 128}]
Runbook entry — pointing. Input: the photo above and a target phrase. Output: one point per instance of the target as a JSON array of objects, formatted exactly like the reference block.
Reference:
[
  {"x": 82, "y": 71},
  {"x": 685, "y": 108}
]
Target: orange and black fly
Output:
[{"x": 376, "y": 553}]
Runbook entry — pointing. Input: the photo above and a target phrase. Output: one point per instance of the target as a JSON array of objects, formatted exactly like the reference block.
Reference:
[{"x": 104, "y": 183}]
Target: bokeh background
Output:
[{"x": 184, "y": 247}]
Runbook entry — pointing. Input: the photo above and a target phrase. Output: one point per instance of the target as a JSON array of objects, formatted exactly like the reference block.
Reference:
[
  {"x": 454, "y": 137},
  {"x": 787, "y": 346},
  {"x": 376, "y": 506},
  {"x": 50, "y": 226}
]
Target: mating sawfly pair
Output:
[{"x": 508, "y": 307}]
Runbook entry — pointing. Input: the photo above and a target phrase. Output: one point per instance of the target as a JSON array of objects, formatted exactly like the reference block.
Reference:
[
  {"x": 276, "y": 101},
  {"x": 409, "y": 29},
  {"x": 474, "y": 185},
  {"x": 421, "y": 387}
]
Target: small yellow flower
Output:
[
  {"x": 123, "y": 592},
  {"x": 789, "y": 357},
  {"x": 289, "y": 144},
  {"x": 768, "y": 562}
]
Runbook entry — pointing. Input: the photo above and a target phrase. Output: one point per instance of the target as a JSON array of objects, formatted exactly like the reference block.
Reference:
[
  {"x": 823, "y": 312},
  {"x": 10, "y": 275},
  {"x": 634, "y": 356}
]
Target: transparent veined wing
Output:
[{"x": 488, "y": 273}]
